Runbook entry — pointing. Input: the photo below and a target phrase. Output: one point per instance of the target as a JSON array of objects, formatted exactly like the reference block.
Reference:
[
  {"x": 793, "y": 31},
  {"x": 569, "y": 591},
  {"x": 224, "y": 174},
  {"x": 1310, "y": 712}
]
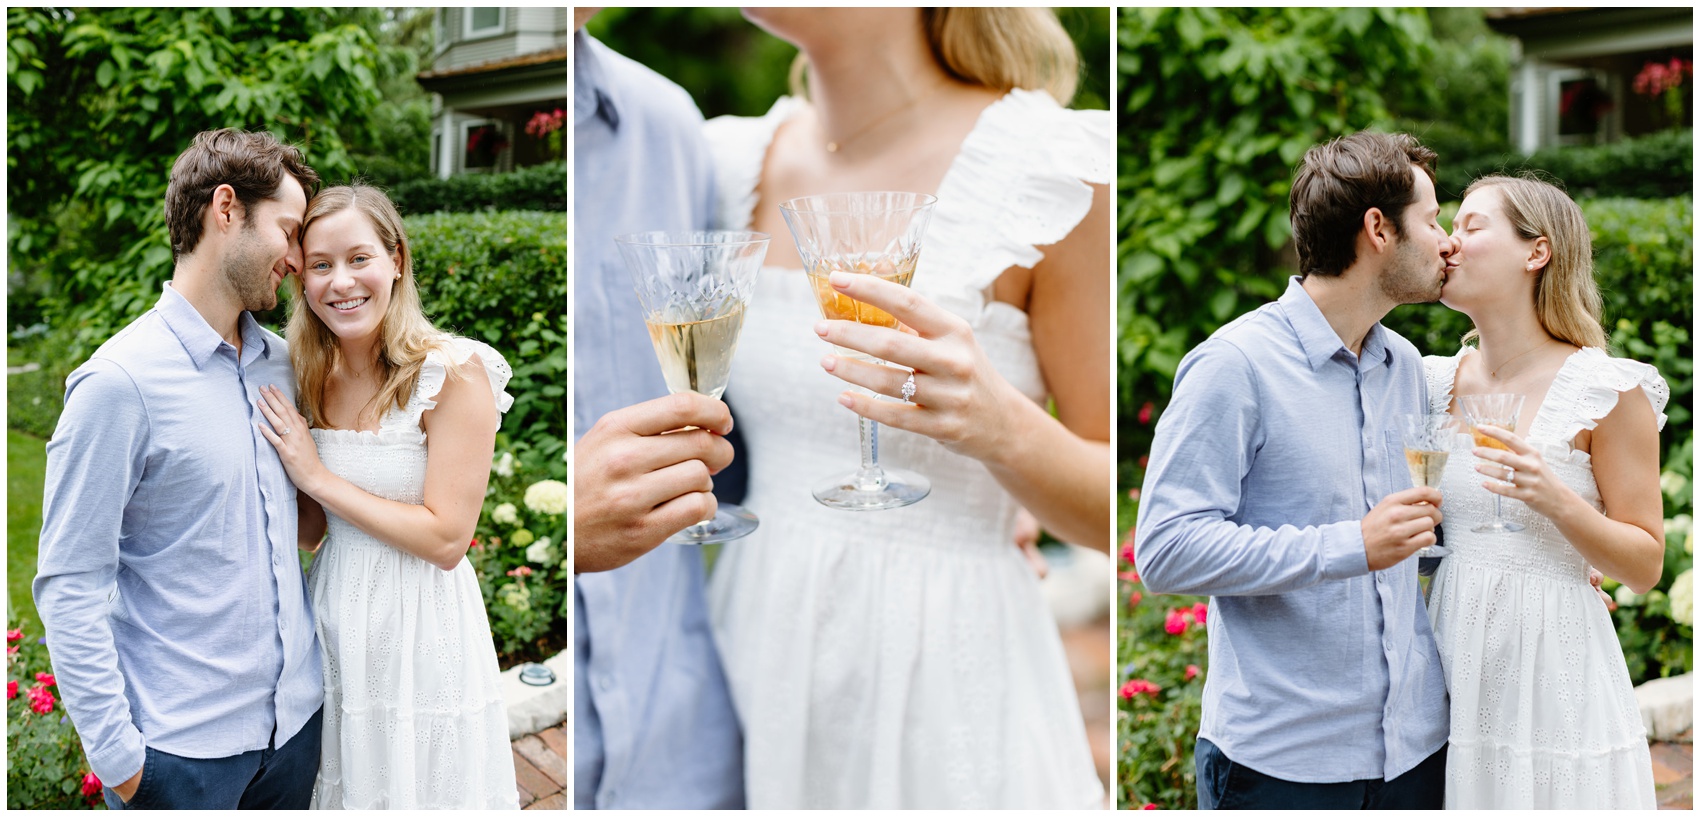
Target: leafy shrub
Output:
[
  {"x": 45, "y": 767},
  {"x": 521, "y": 558},
  {"x": 542, "y": 187},
  {"x": 1659, "y": 165}
]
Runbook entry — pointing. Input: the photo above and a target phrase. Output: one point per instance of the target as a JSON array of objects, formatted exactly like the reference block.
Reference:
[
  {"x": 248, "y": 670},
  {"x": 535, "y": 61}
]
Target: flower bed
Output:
[{"x": 45, "y": 767}]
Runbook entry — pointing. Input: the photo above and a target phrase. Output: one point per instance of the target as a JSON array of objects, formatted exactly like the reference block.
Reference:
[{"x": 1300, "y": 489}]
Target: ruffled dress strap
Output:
[
  {"x": 1587, "y": 386},
  {"x": 739, "y": 147},
  {"x": 1441, "y": 372},
  {"x": 1025, "y": 168},
  {"x": 434, "y": 372}
]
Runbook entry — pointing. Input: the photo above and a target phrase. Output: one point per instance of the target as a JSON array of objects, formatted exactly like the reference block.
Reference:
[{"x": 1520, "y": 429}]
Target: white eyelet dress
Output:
[
  {"x": 1543, "y": 713},
  {"x": 901, "y": 658},
  {"x": 414, "y": 716}
]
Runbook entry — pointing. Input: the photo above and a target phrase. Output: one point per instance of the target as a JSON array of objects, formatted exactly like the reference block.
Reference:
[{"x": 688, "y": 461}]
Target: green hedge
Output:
[
  {"x": 1660, "y": 165},
  {"x": 542, "y": 187}
]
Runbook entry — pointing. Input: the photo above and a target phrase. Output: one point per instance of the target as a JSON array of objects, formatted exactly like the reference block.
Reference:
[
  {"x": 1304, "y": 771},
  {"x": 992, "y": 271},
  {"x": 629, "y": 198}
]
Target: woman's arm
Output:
[
  {"x": 1060, "y": 468},
  {"x": 1627, "y": 542},
  {"x": 460, "y": 439},
  {"x": 310, "y": 522}
]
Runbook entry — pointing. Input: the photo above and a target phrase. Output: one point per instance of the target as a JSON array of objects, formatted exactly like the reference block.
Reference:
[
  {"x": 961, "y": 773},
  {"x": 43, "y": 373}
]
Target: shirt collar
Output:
[
  {"x": 198, "y": 337},
  {"x": 1318, "y": 339},
  {"x": 591, "y": 95}
]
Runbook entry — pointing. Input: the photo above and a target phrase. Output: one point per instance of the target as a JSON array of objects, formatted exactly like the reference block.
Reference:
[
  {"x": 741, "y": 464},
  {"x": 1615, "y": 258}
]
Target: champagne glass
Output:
[
  {"x": 870, "y": 234},
  {"x": 1428, "y": 442},
  {"x": 693, "y": 287},
  {"x": 1500, "y": 411}
]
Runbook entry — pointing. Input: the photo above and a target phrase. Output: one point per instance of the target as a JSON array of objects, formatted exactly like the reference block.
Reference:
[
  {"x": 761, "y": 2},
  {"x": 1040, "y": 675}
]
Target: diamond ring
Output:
[
  {"x": 284, "y": 430},
  {"x": 909, "y": 388}
]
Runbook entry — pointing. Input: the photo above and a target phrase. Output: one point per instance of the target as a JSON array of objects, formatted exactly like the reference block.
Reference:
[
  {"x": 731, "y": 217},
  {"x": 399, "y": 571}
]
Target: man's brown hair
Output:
[
  {"x": 253, "y": 164},
  {"x": 1338, "y": 182}
]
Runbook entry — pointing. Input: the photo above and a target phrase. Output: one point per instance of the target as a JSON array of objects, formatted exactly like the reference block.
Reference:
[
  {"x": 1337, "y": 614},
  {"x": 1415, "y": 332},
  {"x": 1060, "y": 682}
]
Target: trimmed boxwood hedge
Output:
[{"x": 543, "y": 187}]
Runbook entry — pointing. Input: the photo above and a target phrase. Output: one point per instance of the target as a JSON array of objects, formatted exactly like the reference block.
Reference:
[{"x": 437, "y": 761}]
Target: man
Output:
[
  {"x": 168, "y": 581},
  {"x": 653, "y": 722},
  {"x": 1277, "y": 485}
]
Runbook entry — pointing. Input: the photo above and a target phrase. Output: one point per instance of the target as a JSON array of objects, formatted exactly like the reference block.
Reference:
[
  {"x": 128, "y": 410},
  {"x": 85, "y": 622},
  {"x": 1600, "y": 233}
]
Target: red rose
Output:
[
  {"x": 1201, "y": 611},
  {"x": 91, "y": 785},
  {"x": 1145, "y": 413},
  {"x": 1148, "y": 807},
  {"x": 11, "y": 690},
  {"x": 1174, "y": 623},
  {"x": 1134, "y": 598},
  {"x": 1191, "y": 671},
  {"x": 44, "y": 679},
  {"x": 14, "y": 635}
]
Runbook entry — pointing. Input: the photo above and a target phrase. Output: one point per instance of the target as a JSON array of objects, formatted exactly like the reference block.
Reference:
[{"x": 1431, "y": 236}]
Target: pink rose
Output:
[
  {"x": 11, "y": 690},
  {"x": 41, "y": 700},
  {"x": 1191, "y": 671},
  {"x": 1145, "y": 413},
  {"x": 44, "y": 679},
  {"x": 1127, "y": 550},
  {"x": 1148, "y": 807},
  {"x": 1201, "y": 611},
  {"x": 14, "y": 635},
  {"x": 521, "y": 571},
  {"x": 1174, "y": 623},
  {"x": 1138, "y": 686},
  {"x": 91, "y": 785},
  {"x": 1134, "y": 598}
]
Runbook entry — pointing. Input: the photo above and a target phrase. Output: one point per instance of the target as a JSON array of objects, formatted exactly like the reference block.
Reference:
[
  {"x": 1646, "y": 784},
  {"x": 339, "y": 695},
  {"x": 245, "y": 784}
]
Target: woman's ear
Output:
[{"x": 1540, "y": 254}]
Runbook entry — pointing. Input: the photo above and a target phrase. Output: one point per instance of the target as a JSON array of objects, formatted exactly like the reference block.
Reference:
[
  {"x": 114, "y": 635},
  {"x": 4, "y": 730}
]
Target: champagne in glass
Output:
[
  {"x": 693, "y": 287},
  {"x": 1428, "y": 442},
  {"x": 867, "y": 234},
  {"x": 1499, "y": 410}
]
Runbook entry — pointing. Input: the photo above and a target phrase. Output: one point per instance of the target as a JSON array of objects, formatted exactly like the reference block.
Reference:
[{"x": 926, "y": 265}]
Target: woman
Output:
[
  {"x": 905, "y": 658},
  {"x": 405, "y": 419},
  {"x": 1543, "y": 714}
]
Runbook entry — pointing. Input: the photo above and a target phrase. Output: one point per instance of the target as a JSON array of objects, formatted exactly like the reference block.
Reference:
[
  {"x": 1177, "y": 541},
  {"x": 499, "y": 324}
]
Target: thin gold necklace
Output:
[
  {"x": 833, "y": 146},
  {"x": 1494, "y": 373}
]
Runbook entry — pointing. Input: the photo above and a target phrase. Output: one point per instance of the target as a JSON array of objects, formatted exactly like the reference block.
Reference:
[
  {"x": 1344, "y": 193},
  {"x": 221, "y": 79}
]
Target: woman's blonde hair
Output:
[
  {"x": 997, "y": 48},
  {"x": 1567, "y": 298},
  {"x": 405, "y": 336}
]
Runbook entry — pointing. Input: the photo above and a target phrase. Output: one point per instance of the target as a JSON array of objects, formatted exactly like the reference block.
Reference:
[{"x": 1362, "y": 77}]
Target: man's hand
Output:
[
  {"x": 639, "y": 479},
  {"x": 1400, "y": 526},
  {"x": 1595, "y": 578},
  {"x": 1027, "y": 539},
  {"x": 127, "y": 789}
]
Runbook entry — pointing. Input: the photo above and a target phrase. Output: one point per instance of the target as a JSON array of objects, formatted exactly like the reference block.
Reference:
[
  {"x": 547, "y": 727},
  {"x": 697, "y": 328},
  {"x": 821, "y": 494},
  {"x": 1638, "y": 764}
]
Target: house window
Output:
[
  {"x": 483, "y": 21},
  {"x": 436, "y": 150},
  {"x": 483, "y": 144}
]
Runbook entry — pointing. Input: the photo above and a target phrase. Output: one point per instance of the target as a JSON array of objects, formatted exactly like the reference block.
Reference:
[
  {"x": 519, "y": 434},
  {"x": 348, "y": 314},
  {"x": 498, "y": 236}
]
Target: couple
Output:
[
  {"x": 897, "y": 659},
  {"x": 1277, "y": 487},
  {"x": 198, "y": 667}
]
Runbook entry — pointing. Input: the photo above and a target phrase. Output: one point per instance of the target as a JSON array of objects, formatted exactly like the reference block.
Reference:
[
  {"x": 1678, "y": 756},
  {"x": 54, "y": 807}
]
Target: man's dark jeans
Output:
[
  {"x": 271, "y": 778},
  {"x": 1224, "y": 784}
]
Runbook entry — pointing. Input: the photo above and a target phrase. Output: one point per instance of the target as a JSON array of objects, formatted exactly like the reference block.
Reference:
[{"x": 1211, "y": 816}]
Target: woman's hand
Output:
[
  {"x": 958, "y": 398},
  {"x": 1529, "y": 481},
  {"x": 289, "y": 435}
]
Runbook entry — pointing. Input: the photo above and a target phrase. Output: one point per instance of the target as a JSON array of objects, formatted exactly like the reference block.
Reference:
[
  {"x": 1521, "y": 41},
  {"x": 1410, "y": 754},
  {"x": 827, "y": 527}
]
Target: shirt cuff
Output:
[
  {"x": 120, "y": 761},
  {"x": 1343, "y": 555}
]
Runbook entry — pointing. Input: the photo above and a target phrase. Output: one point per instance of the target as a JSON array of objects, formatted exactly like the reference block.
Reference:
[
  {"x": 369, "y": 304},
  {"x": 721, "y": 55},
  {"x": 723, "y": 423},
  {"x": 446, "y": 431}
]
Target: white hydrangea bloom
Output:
[
  {"x": 541, "y": 552},
  {"x": 547, "y": 496},
  {"x": 504, "y": 466},
  {"x": 505, "y": 514},
  {"x": 1682, "y": 598}
]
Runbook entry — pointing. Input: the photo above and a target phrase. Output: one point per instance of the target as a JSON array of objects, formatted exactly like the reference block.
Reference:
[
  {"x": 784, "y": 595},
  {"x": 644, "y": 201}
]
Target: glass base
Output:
[
  {"x": 730, "y": 522},
  {"x": 1497, "y": 526},
  {"x": 897, "y": 489}
]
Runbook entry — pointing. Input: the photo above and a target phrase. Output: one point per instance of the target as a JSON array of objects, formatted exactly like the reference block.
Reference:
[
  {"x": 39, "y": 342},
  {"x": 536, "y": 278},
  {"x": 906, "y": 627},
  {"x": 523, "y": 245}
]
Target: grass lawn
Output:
[{"x": 26, "y": 467}]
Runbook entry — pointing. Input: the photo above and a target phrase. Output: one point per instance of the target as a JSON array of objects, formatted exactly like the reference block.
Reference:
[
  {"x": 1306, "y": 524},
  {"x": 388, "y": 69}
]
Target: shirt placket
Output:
[
  {"x": 271, "y": 520},
  {"x": 1386, "y": 588}
]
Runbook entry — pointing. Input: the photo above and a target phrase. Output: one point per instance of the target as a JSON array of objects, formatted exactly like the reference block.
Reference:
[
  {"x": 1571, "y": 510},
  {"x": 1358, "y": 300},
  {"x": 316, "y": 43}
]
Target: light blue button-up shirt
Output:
[
  {"x": 168, "y": 580},
  {"x": 1277, "y": 442},
  {"x": 653, "y": 723}
]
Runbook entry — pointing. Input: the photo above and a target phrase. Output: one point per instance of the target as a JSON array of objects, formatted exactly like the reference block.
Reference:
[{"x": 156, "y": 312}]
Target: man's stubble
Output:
[{"x": 247, "y": 271}]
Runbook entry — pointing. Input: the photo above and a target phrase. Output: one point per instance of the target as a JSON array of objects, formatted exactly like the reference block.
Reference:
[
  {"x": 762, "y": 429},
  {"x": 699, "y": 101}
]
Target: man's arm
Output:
[
  {"x": 94, "y": 463},
  {"x": 1206, "y": 443},
  {"x": 639, "y": 479}
]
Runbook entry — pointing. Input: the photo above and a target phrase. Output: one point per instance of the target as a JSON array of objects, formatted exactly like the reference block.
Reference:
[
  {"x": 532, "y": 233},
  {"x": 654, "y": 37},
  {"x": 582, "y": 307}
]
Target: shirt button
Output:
[{"x": 605, "y": 683}]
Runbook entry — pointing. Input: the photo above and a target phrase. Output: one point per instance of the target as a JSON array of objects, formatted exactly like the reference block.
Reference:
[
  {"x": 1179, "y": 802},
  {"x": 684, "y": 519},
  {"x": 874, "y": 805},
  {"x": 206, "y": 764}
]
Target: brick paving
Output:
[
  {"x": 540, "y": 763},
  {"x": 1090, "y": 661},
  {"x": 1673, "y": 772}
]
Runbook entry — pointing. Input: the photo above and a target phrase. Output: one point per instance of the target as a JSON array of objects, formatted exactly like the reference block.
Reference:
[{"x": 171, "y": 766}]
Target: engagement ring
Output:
[
  {"x": 909, "y": 388},
  {"x": 284, "y": 430}
]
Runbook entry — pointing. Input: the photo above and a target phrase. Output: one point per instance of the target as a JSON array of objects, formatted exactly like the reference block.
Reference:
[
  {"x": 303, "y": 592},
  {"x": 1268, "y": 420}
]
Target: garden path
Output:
[
  {"x": 1089, "y": 659},
  {"x": 1673, "y": 771},
  {"x": 540, "y": 764}
]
